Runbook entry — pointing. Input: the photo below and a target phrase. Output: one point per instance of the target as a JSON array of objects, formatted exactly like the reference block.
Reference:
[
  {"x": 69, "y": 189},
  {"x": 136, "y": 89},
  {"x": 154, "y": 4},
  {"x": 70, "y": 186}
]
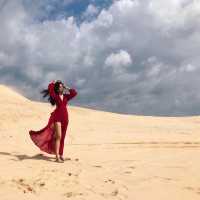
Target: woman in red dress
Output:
[{"x": 50, "y": 139}]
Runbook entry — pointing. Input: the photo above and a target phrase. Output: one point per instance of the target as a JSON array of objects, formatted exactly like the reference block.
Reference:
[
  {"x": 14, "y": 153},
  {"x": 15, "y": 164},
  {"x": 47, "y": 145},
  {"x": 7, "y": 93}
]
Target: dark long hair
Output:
[{"x": 45, "y": 92}]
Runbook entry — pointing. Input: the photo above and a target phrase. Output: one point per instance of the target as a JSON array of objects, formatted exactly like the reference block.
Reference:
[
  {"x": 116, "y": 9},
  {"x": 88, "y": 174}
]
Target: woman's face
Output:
[{"x": 61, "y": 88}]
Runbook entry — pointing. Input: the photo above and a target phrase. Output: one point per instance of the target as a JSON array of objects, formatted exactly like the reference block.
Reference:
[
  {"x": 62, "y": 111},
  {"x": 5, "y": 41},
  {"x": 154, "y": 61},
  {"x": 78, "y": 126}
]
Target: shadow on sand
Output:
[{"x": 21, "y": 157}]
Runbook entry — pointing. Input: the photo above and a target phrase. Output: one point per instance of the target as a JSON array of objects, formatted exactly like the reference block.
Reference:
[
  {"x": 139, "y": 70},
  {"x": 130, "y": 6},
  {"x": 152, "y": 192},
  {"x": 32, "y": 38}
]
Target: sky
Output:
[{"x": 137, "y": 57}]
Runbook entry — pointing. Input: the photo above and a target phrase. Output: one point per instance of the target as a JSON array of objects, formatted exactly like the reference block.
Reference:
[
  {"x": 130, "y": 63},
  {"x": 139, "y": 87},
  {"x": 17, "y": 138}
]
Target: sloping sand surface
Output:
[{"x": 108, "y": 155}]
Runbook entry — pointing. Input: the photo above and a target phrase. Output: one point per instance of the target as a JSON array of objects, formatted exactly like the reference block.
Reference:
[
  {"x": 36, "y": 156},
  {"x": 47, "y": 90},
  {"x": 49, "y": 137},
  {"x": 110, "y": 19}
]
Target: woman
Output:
[{"x": 50, "y": 139}]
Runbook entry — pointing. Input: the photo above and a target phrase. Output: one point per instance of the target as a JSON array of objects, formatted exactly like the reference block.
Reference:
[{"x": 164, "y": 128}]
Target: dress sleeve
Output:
[
  {"x": 52, "y": 92},
  {"x": 72, "y": 94}
]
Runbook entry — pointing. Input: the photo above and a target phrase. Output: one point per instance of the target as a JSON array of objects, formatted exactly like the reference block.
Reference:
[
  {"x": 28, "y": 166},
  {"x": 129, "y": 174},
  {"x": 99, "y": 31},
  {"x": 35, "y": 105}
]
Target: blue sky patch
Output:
[{"x": 59, "y": 9}]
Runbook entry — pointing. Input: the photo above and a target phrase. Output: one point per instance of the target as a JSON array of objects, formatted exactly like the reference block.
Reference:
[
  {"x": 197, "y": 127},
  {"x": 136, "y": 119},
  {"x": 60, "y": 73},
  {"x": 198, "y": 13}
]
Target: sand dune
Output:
[{"x": 108, "y": 155}]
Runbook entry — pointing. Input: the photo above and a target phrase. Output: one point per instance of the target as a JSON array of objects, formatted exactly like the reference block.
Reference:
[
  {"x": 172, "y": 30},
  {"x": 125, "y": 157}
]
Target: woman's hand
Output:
[{"x": 66, "y": 87}]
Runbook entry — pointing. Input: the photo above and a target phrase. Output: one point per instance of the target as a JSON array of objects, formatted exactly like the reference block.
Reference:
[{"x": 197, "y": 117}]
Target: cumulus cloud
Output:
[
  {"x": 91, "y": 11},
  {"x": 138, "y": 57},
  {"x": 118, "y": 61}
]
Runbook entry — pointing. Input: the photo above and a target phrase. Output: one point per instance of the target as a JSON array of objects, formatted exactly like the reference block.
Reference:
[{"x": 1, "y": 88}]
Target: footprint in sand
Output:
[
  {"x": 127, "y": 172},
  {"x": 72, "y": 194},
  {"x": 99, "y": 166},
  {"x": 131, "y": 167},
  {"x": 42, "y": 184},
  {"x": 67, "y": 158},
  {"x": 76, "y": 159},
  {"x": 109, "y": 181},
  {"x": 195, "y": 189},
  {"x": 164, "y": 178},
  {"x": 23, "y": 186},
  {"x": 70, "y": 174},
  {"x": 39, "y": 183},
  {"x": 115, "y": 192}
]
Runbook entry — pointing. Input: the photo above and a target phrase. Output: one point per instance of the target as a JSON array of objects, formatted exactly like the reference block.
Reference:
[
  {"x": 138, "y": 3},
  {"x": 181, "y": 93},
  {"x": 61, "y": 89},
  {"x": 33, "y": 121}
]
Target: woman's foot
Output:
[
  {"x": 61, "y": 158},
  {"x": 58, "y": 160}
]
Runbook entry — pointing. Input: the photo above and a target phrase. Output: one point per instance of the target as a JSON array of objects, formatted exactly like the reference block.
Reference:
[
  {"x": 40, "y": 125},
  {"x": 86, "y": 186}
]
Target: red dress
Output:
[{"x": 44, "y": 138}]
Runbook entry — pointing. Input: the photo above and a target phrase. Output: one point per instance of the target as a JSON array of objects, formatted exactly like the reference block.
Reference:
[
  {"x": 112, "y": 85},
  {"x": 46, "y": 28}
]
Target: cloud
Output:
[
  {"x": 118, "y": 61},
  {"x": 91, "y": 11},
  {"x": 138, "y": 57}
]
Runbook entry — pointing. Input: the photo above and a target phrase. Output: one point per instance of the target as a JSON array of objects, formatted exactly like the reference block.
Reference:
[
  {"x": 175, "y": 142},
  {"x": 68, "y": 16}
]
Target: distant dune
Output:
[{"x": 108, "y": 155}]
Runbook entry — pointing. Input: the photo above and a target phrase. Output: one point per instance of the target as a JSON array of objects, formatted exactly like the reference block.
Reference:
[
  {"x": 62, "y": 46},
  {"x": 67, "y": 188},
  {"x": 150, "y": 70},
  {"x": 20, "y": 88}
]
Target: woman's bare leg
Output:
[{"x": 57, "y": 137}]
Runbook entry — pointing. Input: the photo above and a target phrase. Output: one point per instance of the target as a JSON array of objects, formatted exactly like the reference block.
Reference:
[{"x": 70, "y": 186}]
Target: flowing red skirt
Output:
[{"x": 44, "y": 138}]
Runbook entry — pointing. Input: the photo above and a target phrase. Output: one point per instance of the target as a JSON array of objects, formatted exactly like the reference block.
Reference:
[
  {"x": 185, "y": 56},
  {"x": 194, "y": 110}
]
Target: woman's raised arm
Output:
[{"x": 72, "y": 94}]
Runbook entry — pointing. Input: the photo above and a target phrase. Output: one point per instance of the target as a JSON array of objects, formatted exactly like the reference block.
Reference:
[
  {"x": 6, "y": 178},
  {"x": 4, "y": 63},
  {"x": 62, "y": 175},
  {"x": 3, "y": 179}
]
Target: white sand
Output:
[{"x": 111, "y": 156}]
